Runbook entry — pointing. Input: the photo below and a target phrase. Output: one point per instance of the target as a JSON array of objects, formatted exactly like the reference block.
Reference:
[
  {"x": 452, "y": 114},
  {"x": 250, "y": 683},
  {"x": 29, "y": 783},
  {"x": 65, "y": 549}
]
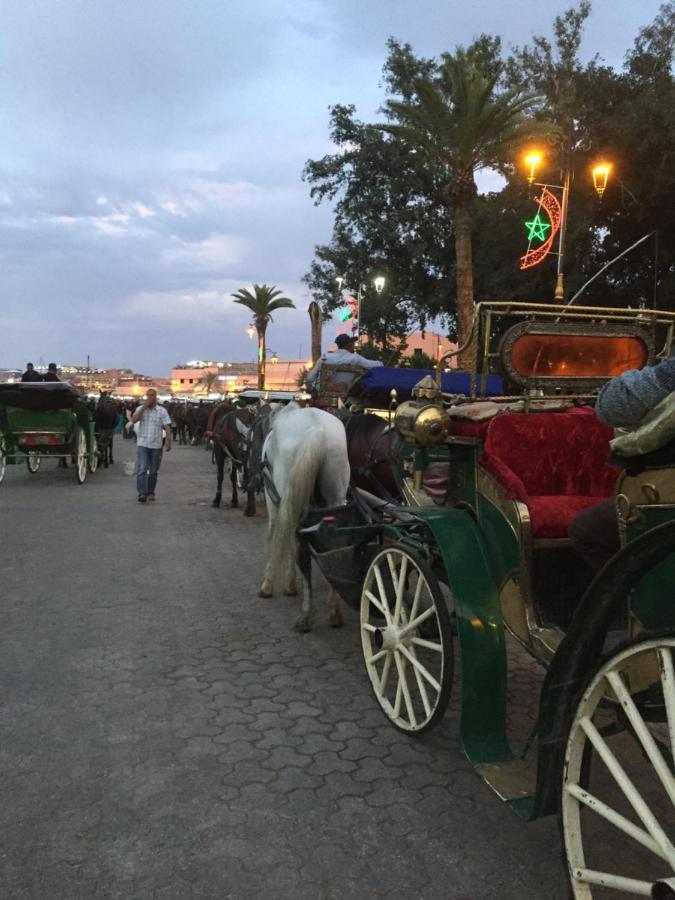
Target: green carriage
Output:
[
  {"x": 46, "y": 420},
  {"x": 487, "y": 557}
]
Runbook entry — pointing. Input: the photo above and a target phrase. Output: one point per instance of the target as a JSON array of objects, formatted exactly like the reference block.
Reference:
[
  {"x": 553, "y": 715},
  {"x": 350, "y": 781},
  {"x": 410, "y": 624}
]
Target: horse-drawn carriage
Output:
[
  {"x": 480, "y": 547},
  {"x": 43, "y": 421}
]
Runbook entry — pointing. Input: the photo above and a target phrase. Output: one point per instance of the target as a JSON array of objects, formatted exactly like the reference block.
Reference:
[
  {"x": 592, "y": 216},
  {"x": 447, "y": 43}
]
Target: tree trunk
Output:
[
  {"x": 262, "y": 352},
  {"x": 464, "y": 274},
  {"x": 315, "y": 318}
]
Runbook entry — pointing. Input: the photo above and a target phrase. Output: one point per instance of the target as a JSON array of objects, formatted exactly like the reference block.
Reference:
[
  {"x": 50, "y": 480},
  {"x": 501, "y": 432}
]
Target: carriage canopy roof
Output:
[
  {"x": 377, "y": 382},
  {"x": 40, "y": 397}
]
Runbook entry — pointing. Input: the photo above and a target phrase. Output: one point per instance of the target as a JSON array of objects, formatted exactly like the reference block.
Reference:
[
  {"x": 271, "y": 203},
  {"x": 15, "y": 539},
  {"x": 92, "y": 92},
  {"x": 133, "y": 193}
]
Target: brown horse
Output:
[
  {"x": 230, "y": 431},
  {"x": 374, "y": 449}
]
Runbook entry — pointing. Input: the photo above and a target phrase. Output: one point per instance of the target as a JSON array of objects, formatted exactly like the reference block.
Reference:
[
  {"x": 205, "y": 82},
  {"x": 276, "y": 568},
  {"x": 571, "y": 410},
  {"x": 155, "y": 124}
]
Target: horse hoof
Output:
[
  {"x": 216, "y": 503},
  {"x": 302, "y": 626},
  {"x": 265, "y": 593},
  {"x": 290, "y": 592},
  {"x": 249, "y": 512},
  {"x": 336, "y": 622}
]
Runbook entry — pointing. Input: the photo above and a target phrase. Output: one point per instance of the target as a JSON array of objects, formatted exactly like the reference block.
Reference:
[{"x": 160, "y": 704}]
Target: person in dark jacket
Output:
[
  {"x": 622, "y": 403},
  {"x": 30, "y": 374},
  {"x": 51, "y": 373}
]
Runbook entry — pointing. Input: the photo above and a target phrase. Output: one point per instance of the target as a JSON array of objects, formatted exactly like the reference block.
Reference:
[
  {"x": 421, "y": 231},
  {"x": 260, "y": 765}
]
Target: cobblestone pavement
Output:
[{"x": 166, "y": 734}]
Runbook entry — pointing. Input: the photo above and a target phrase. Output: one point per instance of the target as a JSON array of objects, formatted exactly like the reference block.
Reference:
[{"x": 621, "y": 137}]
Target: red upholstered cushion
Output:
[
  {"x": 556, "y": 463},
  {"x": 551, "y": 454},
  {"x": 551, "y": 516}
]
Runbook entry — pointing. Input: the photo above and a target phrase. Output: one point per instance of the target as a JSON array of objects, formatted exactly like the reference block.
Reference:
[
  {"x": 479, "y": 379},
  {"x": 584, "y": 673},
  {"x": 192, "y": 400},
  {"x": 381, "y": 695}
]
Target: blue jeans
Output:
[{"x": 148, "y": 462}]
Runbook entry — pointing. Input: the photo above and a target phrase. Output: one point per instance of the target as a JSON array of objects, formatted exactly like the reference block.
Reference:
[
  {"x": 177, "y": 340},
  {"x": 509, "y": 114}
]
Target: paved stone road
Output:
[{"x": 165, "y": 734}]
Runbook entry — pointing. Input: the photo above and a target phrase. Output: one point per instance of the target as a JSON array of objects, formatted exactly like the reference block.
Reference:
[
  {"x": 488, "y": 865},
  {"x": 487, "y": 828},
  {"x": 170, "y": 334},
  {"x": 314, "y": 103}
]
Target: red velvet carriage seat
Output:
[{"x": 555, "y": 463}]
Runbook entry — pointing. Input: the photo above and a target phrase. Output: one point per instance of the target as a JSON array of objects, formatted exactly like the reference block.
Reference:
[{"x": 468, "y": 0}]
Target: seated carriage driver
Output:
[
  {"x": 622, "y": 403},
  {"x": 344, "y": 355}
]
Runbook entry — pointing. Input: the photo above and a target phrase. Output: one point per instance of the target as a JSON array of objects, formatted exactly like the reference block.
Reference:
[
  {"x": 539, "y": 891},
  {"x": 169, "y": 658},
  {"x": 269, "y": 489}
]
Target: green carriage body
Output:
[
  {"x": 479, "y": 542},
  {"x": 41, "y": 421}
]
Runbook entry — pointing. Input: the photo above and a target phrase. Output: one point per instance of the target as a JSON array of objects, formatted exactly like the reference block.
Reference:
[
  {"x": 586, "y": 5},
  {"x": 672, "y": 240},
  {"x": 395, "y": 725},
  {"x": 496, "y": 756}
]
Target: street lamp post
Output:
[
  {"x": 556, "y": 210},
  {"x": 378, "y": 283}
]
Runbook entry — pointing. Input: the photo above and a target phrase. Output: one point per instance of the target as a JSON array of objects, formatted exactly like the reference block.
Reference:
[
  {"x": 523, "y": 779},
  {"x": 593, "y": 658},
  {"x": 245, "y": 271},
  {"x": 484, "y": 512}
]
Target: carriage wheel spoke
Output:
[
  {"x": 385, "y": 673},
  {"x": 400, "y": 588},
  {"x": 376, "y": 603},
  {"x": 614, "y": 818},
  {"x": 423, "y": 692},
  {"x": 416, "y": 599},
  {"x": 430, "y": 645},
  {"x": 417, "y": 665},
  {"x": 629, "y": 790},
  {"x": 366, "y": 626},
  {"x": 668, "y": 687},
  {"x": 415, "y": 623},
  {"x": 377, "y": 657},
  {"x": 384, "y": 608},
  {"x": 618, "y": 882},
  {"x": 398, "y": 698},
  {"x": 403, "y": 681},
  {"x": 644, "y": 734}
]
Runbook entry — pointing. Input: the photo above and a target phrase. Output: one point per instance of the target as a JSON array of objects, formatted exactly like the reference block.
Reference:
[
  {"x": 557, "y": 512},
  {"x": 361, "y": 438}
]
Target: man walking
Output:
[{"x": 154, "y": 428}]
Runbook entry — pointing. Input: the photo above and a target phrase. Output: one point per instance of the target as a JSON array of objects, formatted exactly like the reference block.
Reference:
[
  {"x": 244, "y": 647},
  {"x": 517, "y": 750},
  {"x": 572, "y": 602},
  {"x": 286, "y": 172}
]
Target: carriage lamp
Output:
[
  {"x": 250, "y": 331},
  {"x": 379, "y": 283},
  {"x": 600, "y": 176},
  {"x": 532, "y": 161}
]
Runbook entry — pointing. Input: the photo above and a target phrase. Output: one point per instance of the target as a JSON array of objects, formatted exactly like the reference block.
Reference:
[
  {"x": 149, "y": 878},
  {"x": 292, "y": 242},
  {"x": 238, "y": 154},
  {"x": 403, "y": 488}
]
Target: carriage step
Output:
[{"x": 514, "y": 779}]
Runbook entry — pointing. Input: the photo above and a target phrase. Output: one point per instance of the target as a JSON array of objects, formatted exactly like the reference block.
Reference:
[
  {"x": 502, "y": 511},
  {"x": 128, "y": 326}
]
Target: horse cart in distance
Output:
[
  {"x": 491, "y": 549},
  {"x": 46, "y": 421}
]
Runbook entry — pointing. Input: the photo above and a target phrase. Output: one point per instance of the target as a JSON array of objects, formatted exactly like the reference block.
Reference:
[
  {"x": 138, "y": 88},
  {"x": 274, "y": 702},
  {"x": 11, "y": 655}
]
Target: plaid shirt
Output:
[{"x": 150, "y": 428}]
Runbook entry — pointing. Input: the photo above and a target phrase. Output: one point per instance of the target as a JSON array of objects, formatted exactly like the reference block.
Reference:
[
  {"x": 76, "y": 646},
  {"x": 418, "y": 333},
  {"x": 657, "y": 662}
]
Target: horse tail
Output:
[{"x": 297, "y": 494}]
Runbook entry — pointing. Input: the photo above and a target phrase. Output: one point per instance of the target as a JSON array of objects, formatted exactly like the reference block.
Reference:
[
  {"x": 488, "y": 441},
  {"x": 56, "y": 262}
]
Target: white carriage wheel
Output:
[
  {"x": 638, "y": 815},
  {"x": 33, "y": 462},
  {"x": 406, "y": 639},
  {"x": 93, "y": 465},
  {"x": 3, "y": 459},
  {"x": 81, "y": 456}
]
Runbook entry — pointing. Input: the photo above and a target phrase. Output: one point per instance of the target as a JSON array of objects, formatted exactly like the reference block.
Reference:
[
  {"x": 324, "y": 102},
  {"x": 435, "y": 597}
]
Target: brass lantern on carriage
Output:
[{"x": 422, "y": 420}]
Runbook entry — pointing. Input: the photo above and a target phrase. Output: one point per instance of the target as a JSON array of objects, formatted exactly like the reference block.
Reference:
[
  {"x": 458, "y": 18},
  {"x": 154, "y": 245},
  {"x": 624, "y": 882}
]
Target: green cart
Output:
[
  {"x": 42, "y": 421},
  {"x": 484, "y": 567}
]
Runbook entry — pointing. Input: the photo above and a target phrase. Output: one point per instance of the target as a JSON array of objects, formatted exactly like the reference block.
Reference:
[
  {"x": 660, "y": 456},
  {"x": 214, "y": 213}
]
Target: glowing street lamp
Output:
[
  {"x": 600, "y": 176},
  {"x": 250, "y": 331},
  {"x": 379, "y": 283},
  {"x": 352, "y": 311},
  {"x": 532, "y": 161}
]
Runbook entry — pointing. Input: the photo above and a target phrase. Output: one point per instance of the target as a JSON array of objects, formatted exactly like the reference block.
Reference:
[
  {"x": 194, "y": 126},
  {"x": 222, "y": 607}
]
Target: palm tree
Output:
[
  {"x": 262, "y": 302},
  {"x": 460, "y": 122},
  {"x": 207, "y": 381}
]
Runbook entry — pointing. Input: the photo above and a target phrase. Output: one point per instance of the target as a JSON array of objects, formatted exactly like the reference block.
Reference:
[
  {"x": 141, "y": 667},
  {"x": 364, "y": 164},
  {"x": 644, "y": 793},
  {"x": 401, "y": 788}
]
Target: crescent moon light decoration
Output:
[{"x": 538, "y": 228}]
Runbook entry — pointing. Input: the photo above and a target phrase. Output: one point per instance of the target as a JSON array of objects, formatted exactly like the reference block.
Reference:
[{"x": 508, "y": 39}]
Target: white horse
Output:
[{"x": 305, "y": 459}]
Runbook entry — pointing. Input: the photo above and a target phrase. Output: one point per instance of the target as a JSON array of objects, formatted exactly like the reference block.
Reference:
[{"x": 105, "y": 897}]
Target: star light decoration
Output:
[{"x": 537, "y": 228}]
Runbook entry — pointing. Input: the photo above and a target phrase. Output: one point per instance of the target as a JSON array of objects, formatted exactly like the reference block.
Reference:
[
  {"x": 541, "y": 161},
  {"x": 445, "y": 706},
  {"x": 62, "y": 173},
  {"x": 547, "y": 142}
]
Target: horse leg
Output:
[
  {"x": 234, "y": 468},
  {"x": 250, "y": 502},
  {"x": 267, "y": 586},
  {"x": 335, "y": 619},
  {"x": 220, "y": 472},
  {"x": 303, "y": 623}
]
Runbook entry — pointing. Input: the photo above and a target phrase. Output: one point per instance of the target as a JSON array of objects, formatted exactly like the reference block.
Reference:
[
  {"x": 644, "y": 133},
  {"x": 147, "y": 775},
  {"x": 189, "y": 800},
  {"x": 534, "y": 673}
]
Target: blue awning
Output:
[{"x": 376, "y": 383}]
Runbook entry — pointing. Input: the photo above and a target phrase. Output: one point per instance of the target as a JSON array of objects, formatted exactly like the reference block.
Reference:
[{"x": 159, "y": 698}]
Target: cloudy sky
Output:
[{"x": 151, "y": 155}]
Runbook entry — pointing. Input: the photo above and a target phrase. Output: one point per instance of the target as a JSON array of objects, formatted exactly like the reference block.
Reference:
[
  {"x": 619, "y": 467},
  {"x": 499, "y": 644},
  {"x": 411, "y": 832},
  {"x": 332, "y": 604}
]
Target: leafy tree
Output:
[
  {"x": 262, "y": 301},
  {"x": 459, "y": 120}
]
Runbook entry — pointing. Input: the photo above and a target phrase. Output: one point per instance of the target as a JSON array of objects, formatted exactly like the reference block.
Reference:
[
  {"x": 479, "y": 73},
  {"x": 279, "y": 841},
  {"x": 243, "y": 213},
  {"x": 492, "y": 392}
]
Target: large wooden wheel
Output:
[
  {"x": 618, "y": 796},
  {"x": 406, "y": 638},
  {"x": 80, "y": 455}
]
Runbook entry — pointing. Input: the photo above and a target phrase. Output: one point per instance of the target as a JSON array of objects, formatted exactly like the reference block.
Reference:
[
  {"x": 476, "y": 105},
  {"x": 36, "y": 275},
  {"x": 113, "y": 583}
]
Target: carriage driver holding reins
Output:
[{"x": 344, "y": 355}]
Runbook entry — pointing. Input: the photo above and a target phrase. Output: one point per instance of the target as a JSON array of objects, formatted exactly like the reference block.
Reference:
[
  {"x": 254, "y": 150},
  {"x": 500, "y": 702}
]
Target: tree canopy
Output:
[{"x": 393, "y": 214}]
